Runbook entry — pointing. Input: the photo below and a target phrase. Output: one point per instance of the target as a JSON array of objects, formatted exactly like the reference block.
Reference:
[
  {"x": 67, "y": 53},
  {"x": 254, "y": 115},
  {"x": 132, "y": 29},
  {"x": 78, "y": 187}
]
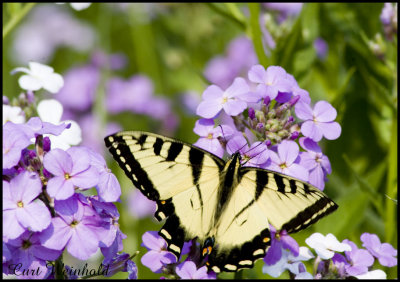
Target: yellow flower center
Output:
[
  {"x": 210, "y": 136},
  {"x": 20, "y": 204},
  {"x": 67, "y": 176}
]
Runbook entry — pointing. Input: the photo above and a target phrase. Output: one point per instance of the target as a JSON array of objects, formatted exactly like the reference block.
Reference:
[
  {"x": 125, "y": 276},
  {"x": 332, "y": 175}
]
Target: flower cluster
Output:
[
  {"x": 330, "y": 263},
  {"x": 158, "y": 259},
  {"x": 266, "y": 119},
  {"x": 45, "y": 207}
]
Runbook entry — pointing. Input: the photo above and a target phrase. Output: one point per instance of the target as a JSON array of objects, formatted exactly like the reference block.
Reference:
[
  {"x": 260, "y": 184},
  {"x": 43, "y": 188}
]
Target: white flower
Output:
[
  {"x": 78, "y": 6},
  {"x": 39, "y": 76},
  {"x": 326, "y": 246},
  {"x": 289, "y": 262},
  {"x": 374, "y": 274},
  {"x": 51, "y": 111},
  {"x": 13, "y": 114}
]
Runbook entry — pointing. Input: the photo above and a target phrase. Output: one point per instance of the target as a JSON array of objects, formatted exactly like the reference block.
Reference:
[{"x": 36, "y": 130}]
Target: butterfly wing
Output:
[
  {"x": 181, "y": 178},
  {"x": 261, "y": 198}
]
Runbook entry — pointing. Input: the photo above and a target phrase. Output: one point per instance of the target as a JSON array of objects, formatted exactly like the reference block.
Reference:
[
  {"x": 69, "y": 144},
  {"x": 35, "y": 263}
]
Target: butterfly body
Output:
[{"x": 226, "y": 206}]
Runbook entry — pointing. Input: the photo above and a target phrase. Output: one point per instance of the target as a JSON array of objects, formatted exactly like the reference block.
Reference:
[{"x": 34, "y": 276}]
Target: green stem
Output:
[
  {"x": 391, "y": 185},
  {"x": 15, "y": 19},
  {"x": 256, "y": 34},
  {"x": 229, "y": 16}
]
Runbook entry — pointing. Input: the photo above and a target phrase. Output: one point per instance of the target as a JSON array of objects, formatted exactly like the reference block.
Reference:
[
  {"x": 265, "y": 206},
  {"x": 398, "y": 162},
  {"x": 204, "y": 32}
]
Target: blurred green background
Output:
[{"x": 172, "y": 44}]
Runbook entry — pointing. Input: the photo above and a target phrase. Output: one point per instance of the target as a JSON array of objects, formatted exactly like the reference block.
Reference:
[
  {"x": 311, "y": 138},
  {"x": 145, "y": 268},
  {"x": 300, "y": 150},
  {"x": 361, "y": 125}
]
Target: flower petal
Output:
[
  {"x": 324, "y": 112},
  {"x": 58, "y": 162}
]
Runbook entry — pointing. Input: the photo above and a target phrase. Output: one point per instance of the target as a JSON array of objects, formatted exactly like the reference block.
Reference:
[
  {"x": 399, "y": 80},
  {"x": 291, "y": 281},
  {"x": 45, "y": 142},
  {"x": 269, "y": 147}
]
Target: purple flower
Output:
[
  {"x": 388, "y": 14},
  {"x": 190, "y": 101},
  {"x": 28, "y": 252},
  {"x": 20, "y": 209},
  {"x": 77, "y": 227},
  {"x": 285, "y": 161},
  {"x": 280, "y": 241},
  {"x": 222, "y": 70},
  {"x": 108, "y": 187},
  {"x": 122, "y": 262},
  {"x": 385, "y": 253},
  {"x": 70, "y": 168},
  {"x": 233, "y": 100},
  {"x": 130, "y": 95},
  {"x": 139, "y": 206},
  {"x": 188, "y": 270},
  {"x": 80, "y": 86},
  {"x": 318, "y": 122},
  {"x": 359, "y": 259},
  {"x": 14, "y": 141},
  {"x": 321, "y": 47},
  {"x": 318, "y": 164},
  {"x": 271, "y": 81},
  {"x": 256, "y": 155},
  {"x": 157, "y": 255},
  {"x": 209, "y": 136}
]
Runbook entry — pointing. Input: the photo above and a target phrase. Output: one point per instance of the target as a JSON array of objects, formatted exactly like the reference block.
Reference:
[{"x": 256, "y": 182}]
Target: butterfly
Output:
[{"x": 226, "y": 206}]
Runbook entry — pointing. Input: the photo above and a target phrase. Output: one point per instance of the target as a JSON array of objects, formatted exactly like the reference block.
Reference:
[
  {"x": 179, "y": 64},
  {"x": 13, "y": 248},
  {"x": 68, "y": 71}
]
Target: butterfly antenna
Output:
[{"x": 255, "y": 155}]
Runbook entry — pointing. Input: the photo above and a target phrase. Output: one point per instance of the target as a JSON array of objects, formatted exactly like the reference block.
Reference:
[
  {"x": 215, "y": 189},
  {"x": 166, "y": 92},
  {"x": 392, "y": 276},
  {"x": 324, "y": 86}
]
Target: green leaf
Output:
[
  {"x": 256, "y": 34},
  {"x": 310, "y": 21}
]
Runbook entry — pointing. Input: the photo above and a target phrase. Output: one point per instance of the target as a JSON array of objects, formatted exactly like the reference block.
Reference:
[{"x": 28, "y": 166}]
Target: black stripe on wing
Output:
[
  {"x": 132, "y": 168},
  {"x": 240, "y": 257}
]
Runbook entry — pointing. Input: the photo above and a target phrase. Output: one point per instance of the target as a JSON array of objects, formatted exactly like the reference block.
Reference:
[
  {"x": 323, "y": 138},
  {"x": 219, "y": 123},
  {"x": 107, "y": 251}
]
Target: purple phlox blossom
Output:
[
  {"x": 321, "y": 47},
  {"x": 384, "y": 252},
  {"x": 188, "y": 270},
  {"x": 46, "y": 28},
  {"x": 108, "y": 187},
  {"x": 233, "y": 100},
  {"x": 77, "y": 227},
  {"x": 388, "y": 13},
  {"x": 157, "y": 255},
  {"x": 80, "y": 88},
  {"x": 287, "y": 159},
  {"x": 35, "y": 127},
  {"x": 21, "y": 209},
  {"x": 326, "y": 246},
  {"x": 121, "y": 263},
  {"x": 359, "y": 259},
  {"x": 222, "y": 70},
  {"x": 139, "y": 205},
  {"x": 297, "y": 91},
  {"x": 280, "y": 241},
  {"x": 28, "y": 251},
  {"x": 256, "y": 155},
  {"x": 286, "y": 9},
  {"x": 319, "y": 122},
  {"x": 129, "y": 95},
  {"x": 209, "y": 136},
  {"x": 70, "y": 169},
  {"x": 290, "y": 262},
  {"x": 315, "y": 162},
  {"x": 270, "y": 81},
  {"x": 190, "y": 101},
  {"x": 111, "y": 241},
  {"x": 114, "y": 61},
  {"x": 14, "y": 141}
]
